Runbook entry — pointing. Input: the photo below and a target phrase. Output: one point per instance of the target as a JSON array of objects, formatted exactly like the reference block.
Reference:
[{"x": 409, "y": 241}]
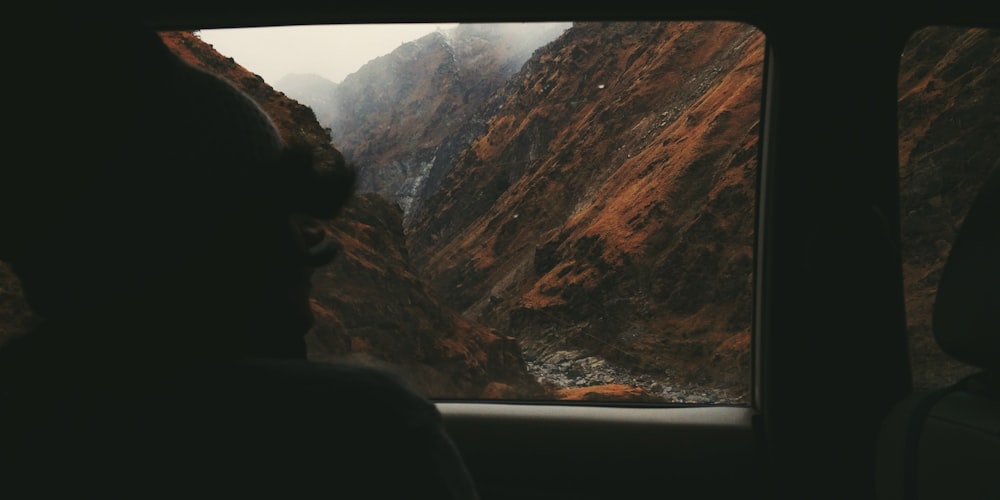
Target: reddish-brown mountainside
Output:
[
  {"x": 403, "y": 117},
  {"x": 609, "y": 205},
  {"x": 372, "y": 308},
  {"x": 949, "y": 126}
]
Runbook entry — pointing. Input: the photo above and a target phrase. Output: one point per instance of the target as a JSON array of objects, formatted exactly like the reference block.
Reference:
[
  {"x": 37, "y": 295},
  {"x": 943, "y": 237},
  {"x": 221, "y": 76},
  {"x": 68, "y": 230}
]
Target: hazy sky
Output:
[{"x": 330, "y": 51}]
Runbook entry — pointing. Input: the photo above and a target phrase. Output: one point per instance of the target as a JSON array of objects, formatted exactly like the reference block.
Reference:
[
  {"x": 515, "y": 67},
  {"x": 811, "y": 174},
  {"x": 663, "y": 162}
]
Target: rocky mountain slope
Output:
[
  {"x": 608, "y": 207},
  {"x": 949, "y": 121},
  {"x": 403, "y": 117},
  {"x": 371, "y": 308}
]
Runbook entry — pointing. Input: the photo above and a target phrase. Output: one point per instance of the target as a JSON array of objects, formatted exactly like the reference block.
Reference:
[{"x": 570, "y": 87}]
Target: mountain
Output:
[
  {"x": 403, "y": 117},
  {"x": 310, "y": 89},
  {"x": 608, "y": 205},
  {"x": 949, "y": 115},
  {"x": 373, "y": 309}
]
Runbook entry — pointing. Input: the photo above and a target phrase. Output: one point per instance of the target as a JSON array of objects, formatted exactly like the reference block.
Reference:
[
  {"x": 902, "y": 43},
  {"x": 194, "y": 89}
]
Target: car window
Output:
[
  {"x": 545, "y": 211},
  {"x": 949, "y": 140}
]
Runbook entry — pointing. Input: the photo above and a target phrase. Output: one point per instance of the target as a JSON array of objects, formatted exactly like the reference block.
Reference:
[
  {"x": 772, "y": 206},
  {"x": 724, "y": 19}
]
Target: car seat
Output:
[{"x": 945, "y": 443}]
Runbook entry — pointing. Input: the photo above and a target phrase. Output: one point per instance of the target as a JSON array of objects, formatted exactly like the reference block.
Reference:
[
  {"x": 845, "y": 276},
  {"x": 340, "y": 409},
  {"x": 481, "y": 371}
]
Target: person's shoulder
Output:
[
  {"x": 291, "y": 423},
  {"x": 317, "y": 389}
]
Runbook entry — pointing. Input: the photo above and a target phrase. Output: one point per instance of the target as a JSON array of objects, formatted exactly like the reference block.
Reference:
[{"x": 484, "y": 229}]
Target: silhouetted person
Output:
[{"x": 165, "y": 236}]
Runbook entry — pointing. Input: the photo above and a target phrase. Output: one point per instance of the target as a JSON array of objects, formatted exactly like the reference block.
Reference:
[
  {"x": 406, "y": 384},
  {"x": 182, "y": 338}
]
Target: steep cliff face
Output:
[
  {"x": 949, "y": 122},
  {"x": 608, "y": 206},
  {"x": 373, "y": 309},
  {"x": 403, "y": 117}
]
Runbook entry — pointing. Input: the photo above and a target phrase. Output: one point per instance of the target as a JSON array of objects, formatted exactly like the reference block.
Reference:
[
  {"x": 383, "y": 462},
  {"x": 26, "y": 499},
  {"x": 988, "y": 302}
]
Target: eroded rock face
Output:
[
  {"x": 404, "y": 117},
  {"x": 372, "y": 308},
  {"x": 949, "y": 115},
  {"x": 608, "y": 205}
]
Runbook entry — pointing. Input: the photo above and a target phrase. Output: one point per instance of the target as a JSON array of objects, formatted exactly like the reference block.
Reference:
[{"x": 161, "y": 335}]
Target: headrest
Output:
[{"x": 967, "y": 307}]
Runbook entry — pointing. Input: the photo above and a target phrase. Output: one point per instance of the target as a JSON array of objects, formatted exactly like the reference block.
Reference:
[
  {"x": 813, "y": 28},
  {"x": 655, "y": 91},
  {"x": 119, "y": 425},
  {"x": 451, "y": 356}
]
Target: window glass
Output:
[
  {"x": 545, "y": 211},
  {"x": 949, "y": 120}
]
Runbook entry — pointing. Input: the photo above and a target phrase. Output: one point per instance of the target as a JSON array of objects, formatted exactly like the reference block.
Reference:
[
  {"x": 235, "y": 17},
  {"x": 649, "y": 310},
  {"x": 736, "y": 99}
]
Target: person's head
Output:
[{"x": 155, "y": 188}]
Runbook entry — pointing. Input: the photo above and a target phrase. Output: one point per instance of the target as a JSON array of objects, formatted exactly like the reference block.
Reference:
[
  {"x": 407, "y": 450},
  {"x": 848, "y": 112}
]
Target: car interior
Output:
[{"x": 837, "y": 403}]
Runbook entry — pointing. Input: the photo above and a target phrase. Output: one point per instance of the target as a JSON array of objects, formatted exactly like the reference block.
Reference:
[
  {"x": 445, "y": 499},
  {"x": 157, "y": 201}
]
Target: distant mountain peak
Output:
[{"x": 403, "y": 116}]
